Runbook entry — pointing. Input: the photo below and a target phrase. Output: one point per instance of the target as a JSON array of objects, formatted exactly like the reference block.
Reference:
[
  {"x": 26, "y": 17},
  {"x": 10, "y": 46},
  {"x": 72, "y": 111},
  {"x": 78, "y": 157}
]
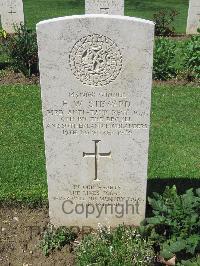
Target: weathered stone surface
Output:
[
  {"x": 111, "y": 7},
  {"x": 96, "y": 75},
  {"x": 193, "y": 21},
  {"x": 11, "y": 14}
]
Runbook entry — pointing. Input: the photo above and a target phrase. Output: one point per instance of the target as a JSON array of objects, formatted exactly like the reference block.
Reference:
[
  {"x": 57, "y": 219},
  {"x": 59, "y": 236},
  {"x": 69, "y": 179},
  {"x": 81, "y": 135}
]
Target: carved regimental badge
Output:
[{"x": 95, "y": 60}]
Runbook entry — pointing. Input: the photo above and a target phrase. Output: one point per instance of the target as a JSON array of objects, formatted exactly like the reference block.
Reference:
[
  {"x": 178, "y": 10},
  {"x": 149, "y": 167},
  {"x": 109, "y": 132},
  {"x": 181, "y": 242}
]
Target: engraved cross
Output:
[
  {"x": 11, "y": 11},
  {"x": 97, "y": 156}
]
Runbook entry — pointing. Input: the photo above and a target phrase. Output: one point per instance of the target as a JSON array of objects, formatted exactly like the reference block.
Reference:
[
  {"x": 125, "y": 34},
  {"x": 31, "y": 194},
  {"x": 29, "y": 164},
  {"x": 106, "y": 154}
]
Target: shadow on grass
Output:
[
  {"x": 75, "y": 4},
  {"x": 159, "y": 185},
  {"x": 145, "y": 6},
  {"x": 182, "y": 184}
]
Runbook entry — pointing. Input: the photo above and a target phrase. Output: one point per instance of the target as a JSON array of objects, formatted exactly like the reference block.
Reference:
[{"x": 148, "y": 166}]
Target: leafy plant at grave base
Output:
[
  {"x": 175, "y": 224},
  {"x": 3, "y": 58},
  {"x": 21, "y": 49},
  {"x": 56, "y": 239},
  {"x": 192, "y": 58},
  {"x": 164, "y": 65},
  {"x": 121, "y": 246},
  {"x": 164, "y": 20}
]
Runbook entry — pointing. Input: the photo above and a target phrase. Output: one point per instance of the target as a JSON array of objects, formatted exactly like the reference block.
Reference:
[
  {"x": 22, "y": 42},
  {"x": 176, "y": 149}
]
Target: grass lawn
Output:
[
  {"x": 22, "y": 158},
  {"x": 174, "y": 137},
  {"x": 174, "y": 148},
  {"x": 38, "y": 10}
]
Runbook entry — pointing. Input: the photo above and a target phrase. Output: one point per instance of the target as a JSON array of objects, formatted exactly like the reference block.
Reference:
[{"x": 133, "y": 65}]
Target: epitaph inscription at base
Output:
[{"x": 96, "y": 73}]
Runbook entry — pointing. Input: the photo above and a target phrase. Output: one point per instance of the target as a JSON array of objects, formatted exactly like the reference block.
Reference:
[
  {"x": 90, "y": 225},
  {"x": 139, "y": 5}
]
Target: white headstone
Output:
[
  {"x": 111, "y": 7},
  {"x": 193, "y": 21},
  {"x": 96, "y": 75},
  {"x": 11, "y": 14}
]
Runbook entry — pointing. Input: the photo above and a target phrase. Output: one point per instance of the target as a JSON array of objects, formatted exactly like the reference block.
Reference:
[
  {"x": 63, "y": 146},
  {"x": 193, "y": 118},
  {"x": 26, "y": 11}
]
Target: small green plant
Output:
[
  {"x": 4, "y": 60},
  {"x": 21, "y": 49},
  {"x": 56, "y": 239},
  {"x": 121, "y": 246},
  {"x": 164, "y": 20},
  {"x": 164, "y": 65},
  {"x": 177, "y": 59},
  {"x": 3, "y": 34},
  {"x": 175, "y": 224},
  {"x": 192, "y": 58}
]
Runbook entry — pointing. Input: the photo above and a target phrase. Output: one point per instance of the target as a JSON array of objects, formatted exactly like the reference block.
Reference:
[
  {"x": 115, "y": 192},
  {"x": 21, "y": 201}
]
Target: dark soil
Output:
[
  {"x": 179, "y": 37},
  {"x": 177, "y": 82},
  {"x": 9, "y": 77},
  {"x": 21, "y": 229}
]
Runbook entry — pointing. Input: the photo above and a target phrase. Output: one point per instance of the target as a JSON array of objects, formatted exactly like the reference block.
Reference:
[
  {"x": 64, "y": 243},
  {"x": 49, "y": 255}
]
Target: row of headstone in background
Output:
[
  {"x": 193, "y": 21},
  {"x": 11, "y": 12},
  {"x": 96, "y": 75},
  {"x": 114, "y": 7}
]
